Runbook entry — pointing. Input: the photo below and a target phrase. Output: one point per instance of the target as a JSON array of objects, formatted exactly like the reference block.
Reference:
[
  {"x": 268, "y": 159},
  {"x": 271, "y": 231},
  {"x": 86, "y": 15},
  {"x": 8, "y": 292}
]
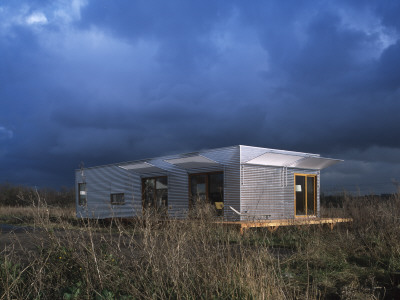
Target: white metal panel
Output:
[
  {"x": 275, "y": 159},
  {"x": 249, "y": 152},
  {"x": 293, "y": 161},
  {"x": 265, "y": 195},
  {"x": 103, "y": 180},
  {"x": 315, "y": 163},
  {"x": 100, "y": 184},
  {"x": 192, "y": 162},
  {"x": 248, "y": 187},
  {"x": 142, "y": 167}
]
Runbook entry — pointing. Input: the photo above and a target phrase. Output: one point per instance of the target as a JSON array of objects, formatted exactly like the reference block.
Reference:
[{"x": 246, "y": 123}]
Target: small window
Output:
[
  {"x": 117, "y": 199},
  {"x": 82, "y": 194}
]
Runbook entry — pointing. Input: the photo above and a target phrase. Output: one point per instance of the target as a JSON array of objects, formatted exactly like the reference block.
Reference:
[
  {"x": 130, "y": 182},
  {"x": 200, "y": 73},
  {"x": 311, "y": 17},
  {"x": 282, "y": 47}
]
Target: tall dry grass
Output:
[{"x": 151, "y": 258}]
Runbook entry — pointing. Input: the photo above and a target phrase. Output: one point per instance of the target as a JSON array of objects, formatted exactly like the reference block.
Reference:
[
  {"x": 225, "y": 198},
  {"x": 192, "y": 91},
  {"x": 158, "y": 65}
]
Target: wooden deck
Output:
[{"x": 272, "y": 225}]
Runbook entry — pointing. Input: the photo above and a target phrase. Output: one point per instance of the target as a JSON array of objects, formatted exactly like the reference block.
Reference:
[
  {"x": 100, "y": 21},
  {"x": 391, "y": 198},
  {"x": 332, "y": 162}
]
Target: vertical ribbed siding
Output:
[
  {"x": 248, "y": 188},
  {"x": 101, "y": 181},
  {"x": 229, "y": 158},
  {"x": 177, "y": 181},
  {"x": 269, "y": 191},
  {"x": 264, "y": 192}
]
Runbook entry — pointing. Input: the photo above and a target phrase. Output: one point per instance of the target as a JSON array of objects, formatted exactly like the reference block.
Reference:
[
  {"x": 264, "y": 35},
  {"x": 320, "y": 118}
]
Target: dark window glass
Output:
[
  {"x": 198, "y": 188},
  {"x": 117, "y": 199},
  {"x": 161, "y": 192},
  {"x": 216, "y": 187},
  {"x": 82, "y": 194},
  {"x": 305, "y": 192},
  {"x": 207, "y": 188},
  {"x": 148, "y": 192},
  {"x": 155, "y": 193},
  {"x": 300, "y": 195},
  {"x": 310, "y": 195}
]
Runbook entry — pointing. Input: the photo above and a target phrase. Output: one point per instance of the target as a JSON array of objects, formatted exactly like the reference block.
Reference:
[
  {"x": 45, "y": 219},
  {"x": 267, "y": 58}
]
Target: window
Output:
[
  {"x": 155, "y": 193},
  {"x": 117, "y": 199},
  {"x": 82, "y": 194},
  {"x": 207, "y": 188}
]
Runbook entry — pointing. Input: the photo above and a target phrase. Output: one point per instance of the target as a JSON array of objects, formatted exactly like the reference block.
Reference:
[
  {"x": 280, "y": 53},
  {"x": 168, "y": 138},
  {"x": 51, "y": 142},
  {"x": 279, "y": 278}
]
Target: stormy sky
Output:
[{"x": 101, "y": 81}]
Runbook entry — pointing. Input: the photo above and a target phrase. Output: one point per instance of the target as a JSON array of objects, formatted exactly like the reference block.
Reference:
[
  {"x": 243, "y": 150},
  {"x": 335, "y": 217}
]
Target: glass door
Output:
[
  {"x": 198, "y": 189},
  {"x": 207, "y": 188},
  {"x": 155, "y": 193},
  {"x": 305, "y": 195}
]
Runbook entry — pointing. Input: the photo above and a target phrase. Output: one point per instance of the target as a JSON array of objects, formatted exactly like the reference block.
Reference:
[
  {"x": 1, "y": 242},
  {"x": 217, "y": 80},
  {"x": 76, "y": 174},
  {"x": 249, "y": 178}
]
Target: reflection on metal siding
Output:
[
  {"x": 100, "y": 183},
  {"x": 265, "y": 193},
  {"x": 269, "y": 191},
  {"x": 251, "y": 189},
  {"x": 248, "y": 153},
  {"x": 103, "y": 180},
  {"x": 192, "y": 162},
  {"x": 230, "y": 158}
]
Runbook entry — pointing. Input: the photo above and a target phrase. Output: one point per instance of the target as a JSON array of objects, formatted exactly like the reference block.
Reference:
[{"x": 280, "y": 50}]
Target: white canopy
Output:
[
  {"x": 293, "y": 161},
  {"x": 192, "y": 162},
  {"x": 142, "y": 167},
  {"x": 316, "y": 163}
]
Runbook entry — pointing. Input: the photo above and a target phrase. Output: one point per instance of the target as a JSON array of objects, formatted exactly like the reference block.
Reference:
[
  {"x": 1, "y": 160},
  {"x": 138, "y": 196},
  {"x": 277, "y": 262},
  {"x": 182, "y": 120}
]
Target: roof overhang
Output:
[
  {"x": 316, "y": 163},
  {"x": 192, "y": 162},
  {"x": 142, "y": 167},
  {"x": 293, "y": 161}
]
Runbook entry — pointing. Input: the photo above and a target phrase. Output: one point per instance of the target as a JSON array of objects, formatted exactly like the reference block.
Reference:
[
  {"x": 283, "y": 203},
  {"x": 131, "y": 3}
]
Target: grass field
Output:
[{"x": 59, "y": 257}]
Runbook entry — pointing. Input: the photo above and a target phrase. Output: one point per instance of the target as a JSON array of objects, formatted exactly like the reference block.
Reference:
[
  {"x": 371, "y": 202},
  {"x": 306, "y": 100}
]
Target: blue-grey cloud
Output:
[
  {"x": 5, "y": 133},
  {"x": 107, "y": 81}
]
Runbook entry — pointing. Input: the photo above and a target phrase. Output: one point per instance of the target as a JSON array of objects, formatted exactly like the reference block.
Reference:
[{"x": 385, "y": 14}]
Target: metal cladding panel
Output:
[
  {"x": 142, "y": 168},
  {"x": 293, "y": 161},
  {"x": 192, "y": 162},
  {"x": 178, "y": 203},
  {"x": 229, "y": 158},
  {"x": 103, "y": 180},
  {"x": 316, "y": 163},
  {"x": 248, "y": 153},
  {"x": 274, "y": 159},
  {"x": 269, "y": 191},
  {"x": 100, "y": 183},
  {"x": 247, "y": 188}
]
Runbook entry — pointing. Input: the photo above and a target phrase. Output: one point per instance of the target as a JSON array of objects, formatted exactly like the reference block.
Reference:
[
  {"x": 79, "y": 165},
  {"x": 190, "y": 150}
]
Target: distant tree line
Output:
[
  {"x": 18, "y": 195},
  {"x": 338, "y": 199}
]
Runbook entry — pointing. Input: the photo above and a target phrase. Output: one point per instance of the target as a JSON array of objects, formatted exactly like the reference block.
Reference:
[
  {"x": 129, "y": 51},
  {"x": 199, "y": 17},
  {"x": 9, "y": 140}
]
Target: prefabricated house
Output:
[{"x": 242, "y": 182}]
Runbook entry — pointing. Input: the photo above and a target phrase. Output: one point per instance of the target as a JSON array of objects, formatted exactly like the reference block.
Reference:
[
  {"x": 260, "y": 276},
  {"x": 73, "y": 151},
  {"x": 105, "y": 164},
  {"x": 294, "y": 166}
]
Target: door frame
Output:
[
  {"x": 207, "y": 185},
  {"x": 315, "y": 176},
  {"x": 142, "y": 179}
]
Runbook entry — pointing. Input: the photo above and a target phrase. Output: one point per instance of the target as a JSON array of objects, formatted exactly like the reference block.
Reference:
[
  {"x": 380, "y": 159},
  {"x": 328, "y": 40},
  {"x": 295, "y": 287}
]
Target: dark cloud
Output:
[
  {"x": 108, "y": 81},
  {"x": 388, "y": 69}
]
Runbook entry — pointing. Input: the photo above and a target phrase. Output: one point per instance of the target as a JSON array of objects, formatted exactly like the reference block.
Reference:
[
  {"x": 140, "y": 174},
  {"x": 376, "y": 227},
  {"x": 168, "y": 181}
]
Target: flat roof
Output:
[
  {"x": 280, "y": 155},
  {"x": 292, "y": 161}
]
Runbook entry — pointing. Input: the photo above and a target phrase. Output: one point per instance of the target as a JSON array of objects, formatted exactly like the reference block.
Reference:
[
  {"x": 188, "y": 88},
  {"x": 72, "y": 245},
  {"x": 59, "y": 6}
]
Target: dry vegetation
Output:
[{"x": 150, "y": 259}]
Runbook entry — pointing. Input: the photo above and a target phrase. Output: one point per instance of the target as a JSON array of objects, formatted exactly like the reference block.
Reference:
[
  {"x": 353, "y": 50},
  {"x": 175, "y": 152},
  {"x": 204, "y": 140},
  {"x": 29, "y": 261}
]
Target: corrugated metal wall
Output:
[
  {"x": 103, "y": 180},
  {"x": 270, "y": 191},
  {"x": 253, "y": 189},
  {"x": 100, "y": 183}
]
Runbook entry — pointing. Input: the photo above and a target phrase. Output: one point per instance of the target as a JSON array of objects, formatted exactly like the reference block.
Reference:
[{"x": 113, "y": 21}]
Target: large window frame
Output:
[
  {"x": 164, "y": 206},
  {"x": 219, "y": 205},
  {"x": 306, "y": 195},
  {"x": 82, "y": 194}
]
